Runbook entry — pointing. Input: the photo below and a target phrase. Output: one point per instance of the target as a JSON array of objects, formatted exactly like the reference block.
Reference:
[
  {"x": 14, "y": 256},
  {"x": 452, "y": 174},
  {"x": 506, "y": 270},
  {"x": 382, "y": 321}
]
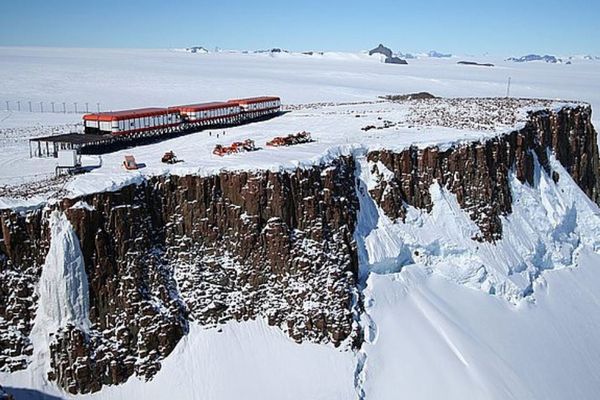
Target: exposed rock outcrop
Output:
[
  {"x": 536, "y": 57},
  {"x": 23, "y": 247},
  {"x": 381, "y": 49},
  {"x": 395, "y": 60},
  {"x": 210, "y": 249},
  {"x": 475, "y": 64},
  {"x": 478, "y": 172}
]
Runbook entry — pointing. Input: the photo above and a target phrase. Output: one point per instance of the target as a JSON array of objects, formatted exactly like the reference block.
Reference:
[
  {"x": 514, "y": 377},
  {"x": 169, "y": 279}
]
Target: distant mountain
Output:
[
  {"x": 389, "y": 55},
  {"x": 407, "y": 56},
  {"x": 435, "y": 54},
  {"x": 381, "y": 49},
  {"x": 273, "y": 50},
  {"x": 196, "y": 49},
  {"x": 536, "y": 57}
]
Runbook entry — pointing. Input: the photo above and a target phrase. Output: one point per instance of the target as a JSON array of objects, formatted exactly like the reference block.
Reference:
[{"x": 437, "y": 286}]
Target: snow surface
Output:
[
  {"x": 445, "y": 317},
  {"x": 126, "y": 78},
  {"x": 248, "y": 360},
  {"x": 438, "y": 340}
]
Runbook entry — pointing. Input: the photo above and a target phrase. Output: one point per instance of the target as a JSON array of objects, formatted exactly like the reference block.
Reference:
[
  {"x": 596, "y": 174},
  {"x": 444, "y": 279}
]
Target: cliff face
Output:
[
  {"x": 242, "y": 245},
  {"x": 478, "y": 173},
  {"x": 23, "y": 246},
  {"x": 233, "y": 246}
]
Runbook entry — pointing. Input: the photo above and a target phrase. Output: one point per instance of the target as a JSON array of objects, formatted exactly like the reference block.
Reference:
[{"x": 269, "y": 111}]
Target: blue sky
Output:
[{"x": 507, "y": 27}]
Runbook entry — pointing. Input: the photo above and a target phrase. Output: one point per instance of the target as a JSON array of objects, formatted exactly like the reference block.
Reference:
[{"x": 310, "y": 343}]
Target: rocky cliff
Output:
[
  {"x": 477, "y": 173},
  {"x": 242, "y": 245},
  {"x": 233, "y": 246}
]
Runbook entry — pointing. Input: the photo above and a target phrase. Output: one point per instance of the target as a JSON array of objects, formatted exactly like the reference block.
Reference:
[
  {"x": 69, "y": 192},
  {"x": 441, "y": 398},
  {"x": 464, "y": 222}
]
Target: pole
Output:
[
  {"x": 508, "y": 88},
  {"x": 52, "y": 106},
  {"x": 64, "y": 108},
  {"x": 75, "y": 104},
  {"x": 30, "y": 110},
  {"x": 41, "y": 106},
  {"x": 98, "y": 106},
  {"x": 86, "y": 108},
  {"x": 7, "y": 107},
  {"x": 19, "y": 105}
]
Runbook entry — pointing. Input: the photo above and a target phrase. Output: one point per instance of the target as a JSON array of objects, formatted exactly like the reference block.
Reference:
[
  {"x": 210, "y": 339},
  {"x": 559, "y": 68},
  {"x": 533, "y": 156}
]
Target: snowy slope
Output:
[
  {"x": 435, "y": 339},
  {"x": 239, "y": 360}
]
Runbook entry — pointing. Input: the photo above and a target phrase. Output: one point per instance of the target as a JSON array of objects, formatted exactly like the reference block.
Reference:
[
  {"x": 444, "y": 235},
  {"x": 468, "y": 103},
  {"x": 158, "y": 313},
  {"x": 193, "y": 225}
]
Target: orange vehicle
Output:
[
  {"x": 129, "y": 163},
  {"x": 170, "y": 158},
  {"x": 291, "y": 139},
  {"x": 236, "y": 147}
]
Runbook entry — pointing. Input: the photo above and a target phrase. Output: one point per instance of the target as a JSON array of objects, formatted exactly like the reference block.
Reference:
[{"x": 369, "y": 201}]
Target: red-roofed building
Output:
[
  {"x": 131, "y": 121},
  {"x": 255, "y": 107},
  {"x": 210, "y": 113}
]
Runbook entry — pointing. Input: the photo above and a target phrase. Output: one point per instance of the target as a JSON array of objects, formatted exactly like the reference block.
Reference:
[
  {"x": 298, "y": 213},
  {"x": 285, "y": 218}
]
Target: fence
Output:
[{"x": 57, "y": 107}]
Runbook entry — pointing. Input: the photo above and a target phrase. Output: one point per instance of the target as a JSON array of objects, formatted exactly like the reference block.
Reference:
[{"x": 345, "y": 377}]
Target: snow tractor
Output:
[
  {"x": 170, "y": 158},
  {"x": 291, "y": 139},
  {"x": 236, "y": 147}
]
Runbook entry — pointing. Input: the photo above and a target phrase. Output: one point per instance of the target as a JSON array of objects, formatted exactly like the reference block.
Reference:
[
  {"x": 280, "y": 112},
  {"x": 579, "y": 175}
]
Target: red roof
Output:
[
  {"x": 202, "y": 106},
  {"x": 251, "y": 100},
  {"x": 126, "y": 114}
]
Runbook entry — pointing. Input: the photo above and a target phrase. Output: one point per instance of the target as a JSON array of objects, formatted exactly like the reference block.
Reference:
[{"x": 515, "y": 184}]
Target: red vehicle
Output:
[
  {"x": 290, "y": 140},
  {"x": 236, "y": 147}
]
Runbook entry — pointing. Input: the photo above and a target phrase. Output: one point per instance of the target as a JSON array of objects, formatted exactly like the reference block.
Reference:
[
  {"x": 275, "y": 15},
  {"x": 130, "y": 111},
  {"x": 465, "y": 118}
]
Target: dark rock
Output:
[
  {"x": 535, "y": 57},
  {"x": 395, "y": 60},
  {"x": 409, "y": 96},
  {"x": 477, "y": 173},
  {"x": 475, "y": 63},
  {"x": 196, "y": 49},
  {"x": 381, "y": 49}
]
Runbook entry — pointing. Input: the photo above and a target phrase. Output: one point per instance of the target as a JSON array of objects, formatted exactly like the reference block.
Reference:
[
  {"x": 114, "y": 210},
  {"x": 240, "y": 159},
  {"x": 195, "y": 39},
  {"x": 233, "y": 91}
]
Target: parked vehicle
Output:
[
  {"x": 130, "y": 163},
  {"x": 236, "y": 147},
  {"x": 290, "y": 140}
]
